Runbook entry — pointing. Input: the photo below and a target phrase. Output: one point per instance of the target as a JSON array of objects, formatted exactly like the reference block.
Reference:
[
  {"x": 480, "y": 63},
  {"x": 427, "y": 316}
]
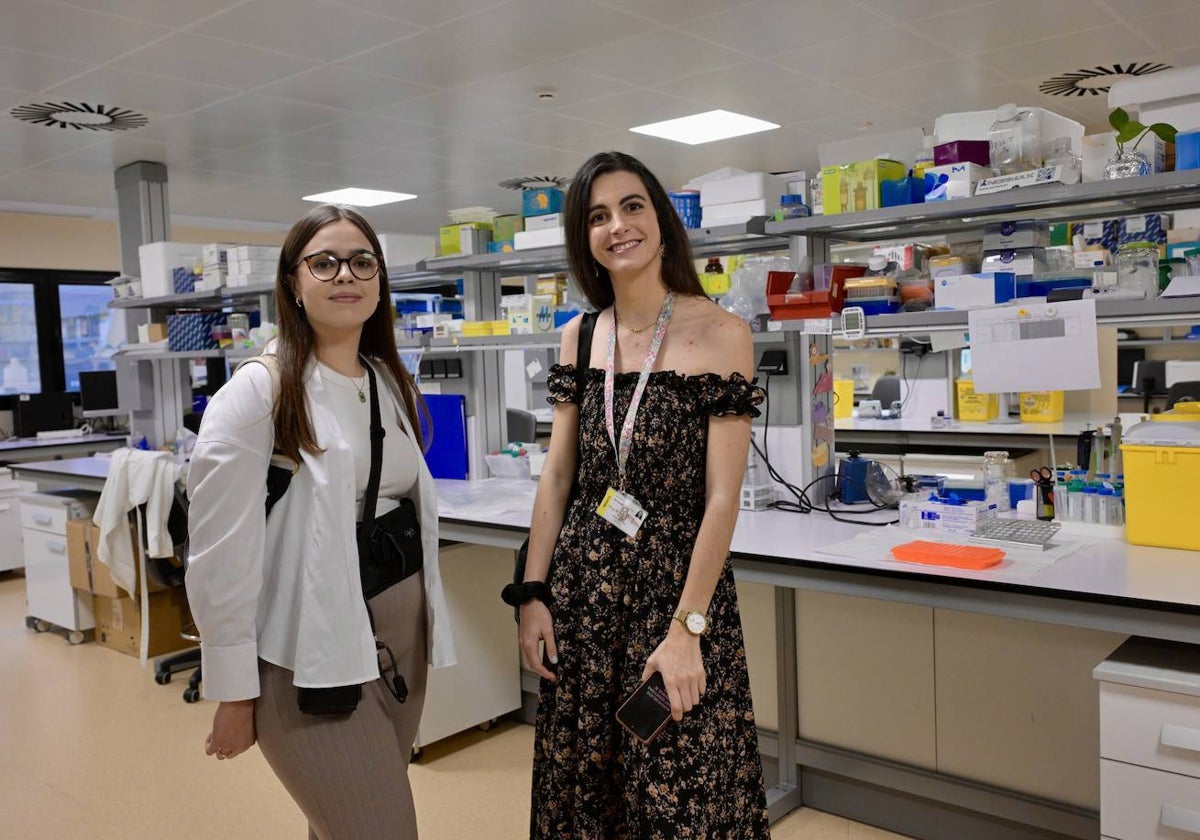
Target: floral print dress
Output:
[{"x": 613, "y": 598}]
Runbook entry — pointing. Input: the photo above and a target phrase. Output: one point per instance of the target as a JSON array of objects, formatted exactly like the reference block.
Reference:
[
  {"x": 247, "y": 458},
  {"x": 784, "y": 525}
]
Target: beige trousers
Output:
[{"x": 349, "y": 774}]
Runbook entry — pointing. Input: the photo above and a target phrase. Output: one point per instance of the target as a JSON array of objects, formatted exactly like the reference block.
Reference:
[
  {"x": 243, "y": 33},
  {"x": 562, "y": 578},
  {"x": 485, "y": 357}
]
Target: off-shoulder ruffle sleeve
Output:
[
  {"x": 724, "y": 396},
  {"x": 562, "y": 385}
]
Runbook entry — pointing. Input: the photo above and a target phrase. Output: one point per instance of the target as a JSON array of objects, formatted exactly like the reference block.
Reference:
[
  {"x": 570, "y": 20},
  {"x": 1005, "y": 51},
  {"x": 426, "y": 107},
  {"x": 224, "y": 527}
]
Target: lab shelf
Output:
[
  {"x": 1092, "y": 200},
  {"x": 540, "y": 341},
  {"x": 225, "y": 296},
  {"x": 188, "y": 354}
]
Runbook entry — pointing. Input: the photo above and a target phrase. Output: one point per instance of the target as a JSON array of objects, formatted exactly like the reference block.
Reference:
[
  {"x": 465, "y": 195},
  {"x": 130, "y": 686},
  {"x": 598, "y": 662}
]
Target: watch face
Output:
[{"x": 696, "y": 623}]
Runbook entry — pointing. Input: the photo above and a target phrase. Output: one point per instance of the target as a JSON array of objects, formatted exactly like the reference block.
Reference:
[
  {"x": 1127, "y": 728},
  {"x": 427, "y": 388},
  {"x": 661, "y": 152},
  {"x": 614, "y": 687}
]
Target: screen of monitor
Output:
[{"x": 98, "y": 391}]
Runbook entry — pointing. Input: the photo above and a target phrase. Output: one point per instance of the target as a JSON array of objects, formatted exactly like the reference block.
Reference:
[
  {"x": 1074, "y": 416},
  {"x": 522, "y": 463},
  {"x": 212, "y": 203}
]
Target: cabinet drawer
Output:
[
  {"x": 12, "y": 556},
  {"x": 1156, "y": 729},
  {"x": 1137, "y": 803},
  {"x": 44, "y": 518}
]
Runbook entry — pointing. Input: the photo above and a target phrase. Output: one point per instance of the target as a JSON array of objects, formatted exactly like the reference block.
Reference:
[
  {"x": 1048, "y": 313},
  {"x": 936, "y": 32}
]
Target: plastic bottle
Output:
[
  {"x": 997, "y": 470},
  {"x": 1106, "y": 502},
  {"x": 880, "y": 266},
  {"x": 1060, "y": 494},
  {"x": 924, "y": 158},
  {"x": 1118, "y": 508},
  {"x": 1075, "y": 496},
  {"x": 1063, "y": 156},
  {"x": 1091, "y": 501},
  {"x": 714, "y": 266},
  {"x": 1014, "y": 140}
]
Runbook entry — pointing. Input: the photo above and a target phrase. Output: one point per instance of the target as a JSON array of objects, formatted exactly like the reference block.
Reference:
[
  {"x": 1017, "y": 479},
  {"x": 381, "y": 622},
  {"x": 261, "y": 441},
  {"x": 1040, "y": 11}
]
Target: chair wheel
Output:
[
  {"x": 191, "y": 695},
  {"x": 417, "y": 754},
  {"x": 75, "y": 637},
  {"x": 41, "y": 626},
  {"x": 162, "y": 677}
]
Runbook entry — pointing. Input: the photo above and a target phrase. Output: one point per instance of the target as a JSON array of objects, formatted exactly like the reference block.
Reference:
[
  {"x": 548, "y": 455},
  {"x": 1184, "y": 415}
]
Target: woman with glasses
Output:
[{"x": 329, "y": 685}]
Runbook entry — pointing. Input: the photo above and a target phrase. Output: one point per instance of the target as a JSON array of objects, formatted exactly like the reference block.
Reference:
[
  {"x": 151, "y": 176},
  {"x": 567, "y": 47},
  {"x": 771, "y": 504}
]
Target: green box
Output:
[
  {"x": 449, "y": 238},
  {"x": 854, "y": 187}
]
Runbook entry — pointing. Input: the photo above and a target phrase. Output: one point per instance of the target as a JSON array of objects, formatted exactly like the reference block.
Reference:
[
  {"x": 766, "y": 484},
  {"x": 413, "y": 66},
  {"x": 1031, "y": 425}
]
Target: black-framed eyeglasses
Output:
[
  {"x": 390, "y": 673},
  {"x": 325, "y": 266}
]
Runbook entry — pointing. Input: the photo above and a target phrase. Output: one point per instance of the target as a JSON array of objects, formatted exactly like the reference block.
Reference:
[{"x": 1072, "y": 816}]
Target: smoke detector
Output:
[
  {"x": 80, "y": 116},
  {"x": 1095, "y": 81}
]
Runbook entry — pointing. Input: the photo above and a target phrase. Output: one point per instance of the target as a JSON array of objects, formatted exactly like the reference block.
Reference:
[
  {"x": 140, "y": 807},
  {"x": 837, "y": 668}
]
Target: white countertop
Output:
[
  {"x": 1070, "y": 425},
  {"x": 37, "y": 443},
  {"x": 1101, "y": 569}
]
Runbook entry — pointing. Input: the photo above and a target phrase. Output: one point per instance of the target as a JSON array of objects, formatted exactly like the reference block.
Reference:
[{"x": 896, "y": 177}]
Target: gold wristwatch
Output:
[{"x": 694, "y": 622}]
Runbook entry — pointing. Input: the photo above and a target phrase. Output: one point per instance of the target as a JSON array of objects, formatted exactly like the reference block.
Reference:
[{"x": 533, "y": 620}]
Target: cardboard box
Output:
[
  {"x": 1023, "y": 262},
  {"x": 528, "y": 314},
  {"x": 157, "y": 262},
  {"x": 953, "y": 519},
  {"x": 505, "y": 227},
  {"x": 119, "y": 622},
  {"x": 450, "y": 237},
  {"x": 256, "y": 252},
  {"x": 148, "y": 333},
  {"x": 737, "y": 212},
  {"x": 963, "y": 151},
  {"x": 1003, "y": 236},
  {"x": 547, "y": 220},
  {"x": 749, "y": 186},
  {"x": 964, "y": 291},
  {"x": 87, "y": 573},
  {"x": 953, "y": 181},
  {"x": 541, "y": 201},
  {"x": 854, "y": 187},
  {"x": 548, "y": 237}
]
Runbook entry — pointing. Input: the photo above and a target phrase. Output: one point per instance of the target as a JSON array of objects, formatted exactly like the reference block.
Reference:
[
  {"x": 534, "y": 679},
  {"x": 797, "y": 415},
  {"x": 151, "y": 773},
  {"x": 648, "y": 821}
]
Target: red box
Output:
[
  {"x": 963, "y": 151},
  {"x": 787, "y": 306}
]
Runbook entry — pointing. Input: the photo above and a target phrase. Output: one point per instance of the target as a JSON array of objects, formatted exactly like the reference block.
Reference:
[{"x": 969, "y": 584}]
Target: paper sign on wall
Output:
[{"x": 1035, "y": 347}]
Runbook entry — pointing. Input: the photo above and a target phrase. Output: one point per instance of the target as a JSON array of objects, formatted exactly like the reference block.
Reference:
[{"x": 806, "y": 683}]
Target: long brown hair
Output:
[
  {"x": 678, "y": 270},
  {"x": 297, "y": 343}
]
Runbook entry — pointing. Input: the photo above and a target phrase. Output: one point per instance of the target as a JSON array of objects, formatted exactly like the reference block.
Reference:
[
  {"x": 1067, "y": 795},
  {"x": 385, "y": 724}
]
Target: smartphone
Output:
[{"x": 647, "y": 710}]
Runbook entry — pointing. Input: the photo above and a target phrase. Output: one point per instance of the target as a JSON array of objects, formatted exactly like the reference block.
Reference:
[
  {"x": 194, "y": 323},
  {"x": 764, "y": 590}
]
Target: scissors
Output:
[{"x": 1044, "y": 479}]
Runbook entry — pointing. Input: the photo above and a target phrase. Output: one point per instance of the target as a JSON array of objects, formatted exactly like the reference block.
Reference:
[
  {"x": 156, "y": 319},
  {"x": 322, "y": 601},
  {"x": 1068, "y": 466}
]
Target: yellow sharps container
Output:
[{"x": 1162, "y": 474}]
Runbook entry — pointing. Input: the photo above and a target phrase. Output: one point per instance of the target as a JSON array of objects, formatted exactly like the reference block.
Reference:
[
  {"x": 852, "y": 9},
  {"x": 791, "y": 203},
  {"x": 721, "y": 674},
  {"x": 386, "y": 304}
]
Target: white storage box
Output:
[
  {"x": 1181, "y": 371},
  {"x": 255, "y": 252},
  {"x": 967, "y": 291},
  {"x": 736, "y": 212},
  {"x": 547, "y": 220},
  {"x": 752, "y": 186},
  {"x": 525, "y": 239},
  {"x": 953, "y": 181},
  {"x": 158, "y": 261},
  {"x": 939, "y": 516},
  {"x": 1170, "y": 96},
  {"x": 974, "y": 125},
  {"x": 405, "y": 249}
]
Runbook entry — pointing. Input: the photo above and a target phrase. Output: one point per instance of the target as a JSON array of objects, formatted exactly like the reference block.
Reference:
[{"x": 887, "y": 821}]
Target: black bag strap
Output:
[
  {"x": 377, "y": 434},
  {"x": 583, "y": 358}
]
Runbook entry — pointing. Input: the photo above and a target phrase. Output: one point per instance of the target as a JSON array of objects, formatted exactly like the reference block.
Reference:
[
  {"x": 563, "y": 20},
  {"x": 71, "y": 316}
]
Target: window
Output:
[
  {"x": 20, "y": 367},
  {"x": 83, "y": 316}
]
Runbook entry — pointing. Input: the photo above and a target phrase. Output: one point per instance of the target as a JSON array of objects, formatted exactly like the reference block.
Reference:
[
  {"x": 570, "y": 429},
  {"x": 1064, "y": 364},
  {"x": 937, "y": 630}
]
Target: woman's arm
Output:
[
  {"x": 678, "y": 657},
  {"x": 549, "y": 509}
]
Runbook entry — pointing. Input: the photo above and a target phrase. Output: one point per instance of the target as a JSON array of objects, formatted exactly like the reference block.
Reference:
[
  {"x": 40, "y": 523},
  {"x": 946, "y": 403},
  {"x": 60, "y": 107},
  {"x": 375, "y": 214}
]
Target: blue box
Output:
[
  {"x": 184, "y": 281},
  {"x": 541, "y": 201},
  {"x": 193, "y": 330},
  {"x": 1187, "y": 150},
  {"x": 902, "y": 191}
]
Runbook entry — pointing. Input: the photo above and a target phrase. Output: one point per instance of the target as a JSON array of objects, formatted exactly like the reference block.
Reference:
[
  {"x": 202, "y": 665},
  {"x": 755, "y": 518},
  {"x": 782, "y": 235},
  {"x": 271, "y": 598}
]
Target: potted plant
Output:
[{"x": 1128, "y": 161}]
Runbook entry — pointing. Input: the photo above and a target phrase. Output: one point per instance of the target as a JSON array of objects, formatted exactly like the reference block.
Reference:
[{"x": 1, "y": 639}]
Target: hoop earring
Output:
[{"x": 662, "y": 250}]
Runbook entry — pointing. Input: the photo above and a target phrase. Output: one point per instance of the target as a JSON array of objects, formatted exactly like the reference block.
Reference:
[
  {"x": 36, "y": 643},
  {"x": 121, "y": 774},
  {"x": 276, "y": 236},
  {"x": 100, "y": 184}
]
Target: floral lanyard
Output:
[{"x": 625, "y": 443}]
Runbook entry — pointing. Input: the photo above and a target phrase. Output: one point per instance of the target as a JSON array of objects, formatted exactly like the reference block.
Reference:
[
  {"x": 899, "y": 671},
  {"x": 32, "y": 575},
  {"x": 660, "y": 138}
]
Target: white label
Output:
[
  {"x": 533, "y": 368},
  {"x": 1093, "y": 230},
  {"x": 1135, "y": 224},
  {"x": 817, "y": 326}
]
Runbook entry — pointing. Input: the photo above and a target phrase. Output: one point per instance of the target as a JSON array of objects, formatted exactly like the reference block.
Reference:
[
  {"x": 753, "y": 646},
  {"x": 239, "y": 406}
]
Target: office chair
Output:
[
  {"x": 1183, "y": 392},
  {"x": 522, "y": 426},
  {"x": 886, "y": 390},
  {"x": 166, "y": 666}
]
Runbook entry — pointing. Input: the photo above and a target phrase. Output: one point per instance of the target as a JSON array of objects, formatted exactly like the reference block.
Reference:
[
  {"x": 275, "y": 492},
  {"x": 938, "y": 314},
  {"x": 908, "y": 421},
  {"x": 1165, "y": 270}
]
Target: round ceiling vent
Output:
[
  {"x": 80, "y": 115},
  {"x": 535, "y": 182},
  {"x": 1095, "y": 81}
]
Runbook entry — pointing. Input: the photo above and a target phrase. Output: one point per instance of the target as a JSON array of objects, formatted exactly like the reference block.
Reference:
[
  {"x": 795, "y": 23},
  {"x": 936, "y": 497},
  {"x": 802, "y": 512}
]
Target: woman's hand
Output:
[
  {"x": 538, "y": 626},
  {"x": 678, "y": 659},
  {"x": 232, "y": 730}
]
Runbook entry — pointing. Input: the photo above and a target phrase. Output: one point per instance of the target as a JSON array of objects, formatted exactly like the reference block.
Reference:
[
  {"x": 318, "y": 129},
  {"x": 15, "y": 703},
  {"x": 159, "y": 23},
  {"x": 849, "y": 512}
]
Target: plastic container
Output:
[
  {"x": 792, "y": 207},
  {"x": 1162, "y": 472},
  {"x": 1137, "y": 268},
  {"x": 916, "y": 287},
  {"x": 1041, "y": 406},
  {"x": 506, "y": 466},
  {"x": 975, "y": 407},
  {"x": 1091, "y": 513},
  {"x": 1193, "y": 259},
  {"x": 843, "y": 398},
  {"x": 1062, "y": 155},
  {"x": 1187, "y": 150},
  {"x": 998, "y": 470},
  {"x": 687, "y": 205},
  {"x": 1014, "y": 141}
]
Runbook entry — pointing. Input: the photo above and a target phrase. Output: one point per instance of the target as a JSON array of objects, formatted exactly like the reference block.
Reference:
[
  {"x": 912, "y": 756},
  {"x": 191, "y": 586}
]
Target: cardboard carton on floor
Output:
[
  {"x": 87, "y": 573},
  {"x": 119, "y": 622}
]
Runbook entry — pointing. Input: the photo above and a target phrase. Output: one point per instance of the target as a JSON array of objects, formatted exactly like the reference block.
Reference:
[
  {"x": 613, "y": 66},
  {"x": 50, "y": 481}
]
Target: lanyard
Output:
[{"x": 626, "y": 441}]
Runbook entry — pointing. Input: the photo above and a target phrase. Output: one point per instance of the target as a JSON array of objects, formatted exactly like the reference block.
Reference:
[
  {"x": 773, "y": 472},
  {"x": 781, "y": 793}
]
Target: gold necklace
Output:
[
  {"x": 634, "y": 330},
  {"x": 362, "y": 398}
]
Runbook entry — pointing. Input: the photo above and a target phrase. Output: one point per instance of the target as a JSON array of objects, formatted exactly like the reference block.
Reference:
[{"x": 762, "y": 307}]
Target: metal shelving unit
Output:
[
  {"x": 225, "y": 296},
  {"x": 188, "y": 354}
]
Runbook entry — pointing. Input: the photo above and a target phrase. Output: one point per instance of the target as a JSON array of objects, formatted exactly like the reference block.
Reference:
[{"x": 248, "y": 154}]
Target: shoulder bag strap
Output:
[
  {"x": 377, "y": 433},
  {"x": 584, "y": 356}
]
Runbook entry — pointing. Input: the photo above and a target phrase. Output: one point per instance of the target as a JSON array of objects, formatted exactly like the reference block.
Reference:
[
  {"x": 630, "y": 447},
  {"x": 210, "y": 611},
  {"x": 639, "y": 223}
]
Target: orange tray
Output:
[{"x": 948, "y": 554}]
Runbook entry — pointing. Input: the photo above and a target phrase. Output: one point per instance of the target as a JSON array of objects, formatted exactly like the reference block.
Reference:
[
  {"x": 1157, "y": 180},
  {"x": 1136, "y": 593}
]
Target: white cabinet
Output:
[
  {"x": 11, "y": 556},
  {"x": 1150, "y": 741},
  {"x": 49, "y": 597}
]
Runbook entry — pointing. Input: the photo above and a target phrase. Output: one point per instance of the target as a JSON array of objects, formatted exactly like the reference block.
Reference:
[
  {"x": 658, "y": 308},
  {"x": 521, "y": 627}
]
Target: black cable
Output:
[{"x": 904, "y": 378}]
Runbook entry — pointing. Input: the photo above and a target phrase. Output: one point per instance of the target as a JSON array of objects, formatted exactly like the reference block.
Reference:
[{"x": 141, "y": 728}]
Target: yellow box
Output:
[
  {"x": 1160, "y": 483},
  {"x": 476, "y": 329},
  {"x": 843, "y": 398},
  {"x": 715, "y": 284},
  {"x": 501, "y": 328},
  {"x": 854, "y": 187},
  {"x": 972, "y": 406},
  {"x": 1041, "y": 406},
  {"x": 449, "y": 236}
]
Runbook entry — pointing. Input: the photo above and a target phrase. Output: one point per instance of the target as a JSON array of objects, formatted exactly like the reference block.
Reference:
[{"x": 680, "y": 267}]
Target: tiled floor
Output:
[{"x": 91, "y": 747}]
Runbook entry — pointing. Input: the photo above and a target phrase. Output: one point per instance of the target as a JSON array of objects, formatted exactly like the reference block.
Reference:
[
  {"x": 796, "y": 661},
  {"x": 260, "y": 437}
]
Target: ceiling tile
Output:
[
  {"x": 269, "y": 113},
  {"x": 928, "y": 105},
  {"x": 469, "y": 145},
  {"x": 772, "y": 27},
  {"x": 373, "y": 129},
  {"x": 655, "y": 57},
  {"x": 422, "y": 12},
  {"x": 522, "y": 163},
  {"x": 548, "y": 129},
  {"x": 570, "y": 86},
  {"x": 454, "y": 110},
  {"x": 308, "y": 28},
  {"x": 138, "y": 91},
  {"x": 882, "y": 119},
  {"x": 944, "y": 78},
  {"x": 115, "y": 151},
  {"x": 213, "y": 61},
  {"x": 546, "y": 28},
  {"x": 673, "y": 11},
  {"x": 827, "y": 61},
  {"x": 40, "y": 143},
  {"x": 30, "y": 71},
  {"x": 753, "y": 88},
  {"x": 419, "y": 166},
  {"x": 1185, "y": 57},
  {"x": 634, "y": 107},
  {"x": 1171, "y": 31},
  {"x": 440, "y": 59},
  {"x": 1146, "y": 8},
  {"x": 904, "y": 11},
  {"x": 155, "y": 11},
  {"x": 59, "y": 188},
  {"x": 306, "y": 148},
  {"x": 64, "y": 31},
  {"x": 409, "y": 178},
  {"x": 341, "y": 87},
  {"x": 1008, "y": 22},
  {"x": 201, "y": 130},
  {"x": 1067, "y": 53},
  {"x": 256, "y": 163}
]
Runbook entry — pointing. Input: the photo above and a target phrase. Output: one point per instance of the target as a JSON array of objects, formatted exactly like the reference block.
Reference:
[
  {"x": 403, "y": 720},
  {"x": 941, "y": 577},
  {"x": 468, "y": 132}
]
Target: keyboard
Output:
[{"x": 1028, "y": 533}]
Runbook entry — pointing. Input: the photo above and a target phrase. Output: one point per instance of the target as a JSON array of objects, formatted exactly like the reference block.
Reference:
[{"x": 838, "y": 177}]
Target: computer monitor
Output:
[
  {"x": 1150, "y": 377},
  {"x": 1127, "y": 358},
  {"x": 98, "y": 393},
  {"x": 47, "y": 412}
]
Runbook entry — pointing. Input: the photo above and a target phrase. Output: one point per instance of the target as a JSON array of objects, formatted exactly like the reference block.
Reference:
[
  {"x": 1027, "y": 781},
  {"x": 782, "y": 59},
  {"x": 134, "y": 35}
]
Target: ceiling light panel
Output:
[
  {"x": 707, "y": 127},
  {"x": 359, "y": 197}
]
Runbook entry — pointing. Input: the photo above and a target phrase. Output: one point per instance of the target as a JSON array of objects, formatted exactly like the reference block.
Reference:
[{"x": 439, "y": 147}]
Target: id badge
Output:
[{"x": 623, "y": 511}]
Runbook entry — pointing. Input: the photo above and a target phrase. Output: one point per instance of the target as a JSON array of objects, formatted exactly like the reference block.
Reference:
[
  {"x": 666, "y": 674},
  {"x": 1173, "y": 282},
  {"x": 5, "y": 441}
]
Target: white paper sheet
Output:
[{"x": 1035, "y": 347}]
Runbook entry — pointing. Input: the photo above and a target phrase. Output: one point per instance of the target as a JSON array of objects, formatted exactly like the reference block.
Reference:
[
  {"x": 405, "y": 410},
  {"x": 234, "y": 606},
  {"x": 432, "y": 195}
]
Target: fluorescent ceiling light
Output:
[
  {"x": 359, "y": 197},
  {"x": 705, "y": 128}
]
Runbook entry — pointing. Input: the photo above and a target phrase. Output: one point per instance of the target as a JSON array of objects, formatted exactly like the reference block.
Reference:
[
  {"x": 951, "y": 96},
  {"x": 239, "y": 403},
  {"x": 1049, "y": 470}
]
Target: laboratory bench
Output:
[
  {"x": 31, "y": 449},
  {"x": 938, "y": 702}
]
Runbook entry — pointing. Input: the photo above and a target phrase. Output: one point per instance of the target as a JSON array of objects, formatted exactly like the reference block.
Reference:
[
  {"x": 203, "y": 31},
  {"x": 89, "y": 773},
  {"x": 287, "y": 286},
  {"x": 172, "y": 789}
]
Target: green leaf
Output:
[
  {"x": 1118, "y": 118},
  {"x": 1165, "y": 132},
  {"x": 1129, "y": 131}
]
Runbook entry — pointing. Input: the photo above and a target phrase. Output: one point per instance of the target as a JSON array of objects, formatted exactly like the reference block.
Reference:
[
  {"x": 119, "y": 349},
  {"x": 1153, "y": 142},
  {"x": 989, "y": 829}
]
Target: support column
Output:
[
  {"x": 487, "y": 420},
  {"x": 815, "y": 390},
  {"x": 143, "y": 214}
]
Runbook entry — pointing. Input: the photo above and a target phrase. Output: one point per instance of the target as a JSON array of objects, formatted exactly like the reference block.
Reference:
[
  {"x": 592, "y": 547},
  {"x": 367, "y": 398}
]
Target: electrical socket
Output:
[{"x": 773, "y": 362}]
